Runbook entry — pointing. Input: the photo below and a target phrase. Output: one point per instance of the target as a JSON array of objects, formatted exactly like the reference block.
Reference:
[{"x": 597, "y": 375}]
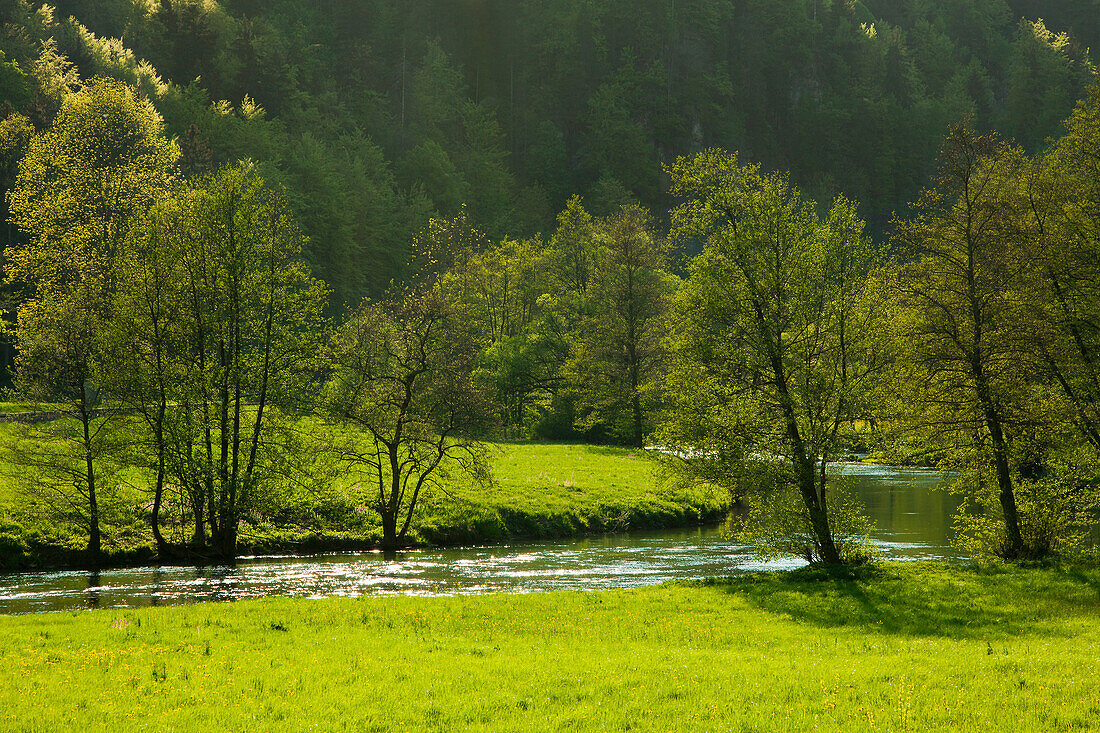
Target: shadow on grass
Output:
[{"x": 923, "y": 599}]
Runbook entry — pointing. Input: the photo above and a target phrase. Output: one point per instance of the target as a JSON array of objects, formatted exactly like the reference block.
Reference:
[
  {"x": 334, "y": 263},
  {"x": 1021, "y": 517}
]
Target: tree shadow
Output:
[
  {"x": 1085, "y": 577},
  {"x": 922, "y": 599}
]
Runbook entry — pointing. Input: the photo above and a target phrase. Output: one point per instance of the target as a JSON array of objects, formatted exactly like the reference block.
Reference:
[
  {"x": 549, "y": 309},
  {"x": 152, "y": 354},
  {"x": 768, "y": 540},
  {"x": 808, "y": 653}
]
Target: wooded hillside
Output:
[{"x": 377, "y": 114}]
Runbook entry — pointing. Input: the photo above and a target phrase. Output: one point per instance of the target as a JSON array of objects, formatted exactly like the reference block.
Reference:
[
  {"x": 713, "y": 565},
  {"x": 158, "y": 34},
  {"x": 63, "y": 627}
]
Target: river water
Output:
[{"x": 912, "y": 521}]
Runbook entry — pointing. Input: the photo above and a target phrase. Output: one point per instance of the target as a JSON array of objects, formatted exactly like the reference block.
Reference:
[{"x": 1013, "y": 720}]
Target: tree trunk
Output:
[
  {"x": 225, "y": 541},
  {"x": 94, "y": 540},
  {"x": 158, "y": 497},
  {"x": 819, "y": 517},
  {"x": 638, "y": 439},
  {"x": 1015, "y": 542},
  {"x": 389, "y": 531},
  {"x": 803, "y": 466},
  {"x": 158, "y": 492},
  {"x": 198, "y": 539}
]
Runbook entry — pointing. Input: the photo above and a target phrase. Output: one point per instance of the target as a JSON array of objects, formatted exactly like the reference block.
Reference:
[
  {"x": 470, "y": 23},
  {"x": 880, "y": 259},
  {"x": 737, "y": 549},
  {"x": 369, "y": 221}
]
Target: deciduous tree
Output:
[
  {"x": 963, "y": 360},
  {"x": 80, "y": 185},
  {"x": 218, "y": 329},
  {"x": 773, "y": 349},
  {"x": 618, "y": 349},
  {"x": 404, "y": 378}
]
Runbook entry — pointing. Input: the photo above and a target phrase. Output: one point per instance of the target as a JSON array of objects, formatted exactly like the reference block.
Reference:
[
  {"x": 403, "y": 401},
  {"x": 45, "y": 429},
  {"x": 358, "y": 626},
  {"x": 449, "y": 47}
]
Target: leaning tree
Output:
[{"x": 774, "y": 351}]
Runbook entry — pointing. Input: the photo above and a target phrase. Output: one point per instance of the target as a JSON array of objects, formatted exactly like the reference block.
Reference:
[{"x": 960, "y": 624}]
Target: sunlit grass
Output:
[
  {"x": 905, "y": 648},
  {"x": 539, "y": 490},
  {"x": 546, "y": 490},
  {"x": 22, "y": 407}
]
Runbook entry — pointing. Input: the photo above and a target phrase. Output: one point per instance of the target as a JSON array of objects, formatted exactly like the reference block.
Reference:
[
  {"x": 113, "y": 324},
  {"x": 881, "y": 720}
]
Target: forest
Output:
[
  {"x": 376, "y": 115},
  {"x": 254, "y": 249}
]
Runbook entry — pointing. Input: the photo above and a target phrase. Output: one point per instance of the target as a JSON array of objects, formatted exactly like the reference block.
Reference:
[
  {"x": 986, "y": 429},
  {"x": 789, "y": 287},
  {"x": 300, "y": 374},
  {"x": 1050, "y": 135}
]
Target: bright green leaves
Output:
[
  {"x": 404, "y": 377},
  {"x": 995, "y": 372},
  {"x": 774, "y": 349},
  {"x": 81, "y": 183},
  {"x": 618, "y": 352},
  {"x": 217, "y": 335}
]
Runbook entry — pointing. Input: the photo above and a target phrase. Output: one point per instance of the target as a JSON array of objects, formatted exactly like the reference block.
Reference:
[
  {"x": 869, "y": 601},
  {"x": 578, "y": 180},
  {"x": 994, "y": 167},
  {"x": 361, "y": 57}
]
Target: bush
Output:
[
  {"x": 1055, "y": 514},
  {"x": 777, "y": 524}
]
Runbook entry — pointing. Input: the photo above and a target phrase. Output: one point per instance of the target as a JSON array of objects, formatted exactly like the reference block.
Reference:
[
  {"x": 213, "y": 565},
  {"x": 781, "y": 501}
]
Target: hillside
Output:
[{"x": 378, "y": 114}]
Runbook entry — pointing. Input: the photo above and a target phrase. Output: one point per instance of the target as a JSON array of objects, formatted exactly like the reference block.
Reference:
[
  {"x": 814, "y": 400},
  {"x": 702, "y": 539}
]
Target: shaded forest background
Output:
[{"x": 379, "y": 114}]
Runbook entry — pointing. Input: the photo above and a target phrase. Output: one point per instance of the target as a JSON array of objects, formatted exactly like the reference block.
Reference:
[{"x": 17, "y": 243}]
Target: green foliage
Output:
[
  {"x": 776, "y": 523},
  {"x": 81, "y": 183},
  {"x": 16, "y": 132},
  {"x": 443, "y": 245},
  {"x": 216, "y": 338},
  {"x": 775, "y": 348},
  {"x": 616, "y": 362},
  {"x": 574, "y": 246},
  {"x": 984, "y": 335},
  {"x": 959, "y": 379},
  {"x": 404, "y": 379},
  {"x": 374, "y": 114},
  {"x": 538, "y": 490},
  {"x": 1056, "y": 512},
  {"x": 503, "y": 294},
  {"x": 511, "y": 109},
  {"x": 14, "y": 87},
  {"x": 1046, "y": 75},
  {"x": 1063, "y": 317}
]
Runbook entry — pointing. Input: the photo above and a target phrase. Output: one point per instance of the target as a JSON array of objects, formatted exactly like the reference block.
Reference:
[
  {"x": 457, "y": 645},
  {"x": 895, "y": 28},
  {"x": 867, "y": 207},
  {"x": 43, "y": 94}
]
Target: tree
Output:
[
  {"x": 79, "y": 187},
  {"x": 774, "y": 349},
  {"x": 57, "y": 366},
  {"x": 404, "y": 377},
  {"x": 81, "y": 183},
  {"x": 501, "y": 293},
  {"x": 1042, "y": 82},
  {"x": 219, "y": 329},
  {"x": 962, "y": 362},
  {"x": 1063, "y": 205},
  {"x": 573, "y": 247},
  {"x": 617, "y": 354}
]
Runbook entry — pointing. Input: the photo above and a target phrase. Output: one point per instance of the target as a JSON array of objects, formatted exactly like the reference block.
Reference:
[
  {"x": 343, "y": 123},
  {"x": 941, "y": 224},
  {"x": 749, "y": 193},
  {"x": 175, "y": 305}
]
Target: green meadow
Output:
[
  {"x": 563, "y": 489},
  {"x": 539, "y": 490},
  {"x": 893, "y": 648}
]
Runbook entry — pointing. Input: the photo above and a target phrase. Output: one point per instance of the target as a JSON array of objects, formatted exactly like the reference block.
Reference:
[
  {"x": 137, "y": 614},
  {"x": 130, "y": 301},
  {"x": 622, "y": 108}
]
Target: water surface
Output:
[{"x": 911, "y": 521}]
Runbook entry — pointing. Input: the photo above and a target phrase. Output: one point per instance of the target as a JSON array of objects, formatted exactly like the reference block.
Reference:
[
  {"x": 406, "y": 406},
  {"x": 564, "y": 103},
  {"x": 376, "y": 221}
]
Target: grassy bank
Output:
[
  {"x": 910, "y": 647},
  {"x": 539, "y": 490},
  {"x": 558, "y": 490}
]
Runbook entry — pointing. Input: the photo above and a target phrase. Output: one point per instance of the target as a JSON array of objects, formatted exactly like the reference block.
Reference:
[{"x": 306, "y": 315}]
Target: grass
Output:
[
  {"x": 915, "y": 647},
  {"x": 21, "y": 407},
  {"x": 554, "y": 490},
  {"x": 539, "y": 491}
]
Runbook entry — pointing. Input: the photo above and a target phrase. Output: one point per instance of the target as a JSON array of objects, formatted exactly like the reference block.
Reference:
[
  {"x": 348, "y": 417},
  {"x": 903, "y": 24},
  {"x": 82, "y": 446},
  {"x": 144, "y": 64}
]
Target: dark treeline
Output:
[{"x": 378, "y": 114}]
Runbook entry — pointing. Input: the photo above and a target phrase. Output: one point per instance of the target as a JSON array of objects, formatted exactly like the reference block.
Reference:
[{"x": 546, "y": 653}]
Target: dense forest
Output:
[
  {"x": 278, "y": 265},
  {"x": 377, "y": 114}
]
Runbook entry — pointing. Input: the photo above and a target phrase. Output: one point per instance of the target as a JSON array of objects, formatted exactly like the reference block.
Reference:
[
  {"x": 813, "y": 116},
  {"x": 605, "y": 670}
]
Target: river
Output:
[{"x": 911, "y": 518}]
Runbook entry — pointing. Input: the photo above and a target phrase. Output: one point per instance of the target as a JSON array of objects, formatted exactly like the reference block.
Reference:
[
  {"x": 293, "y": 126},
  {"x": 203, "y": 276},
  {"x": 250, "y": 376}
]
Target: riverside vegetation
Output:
[
  {"x": 294, "y": 275},
  {"x": 200, "y": 390},
  {"x": 901, "y": 647},
  {"x": 539, "y": 491},
  {"x": 235, "y": 345}
]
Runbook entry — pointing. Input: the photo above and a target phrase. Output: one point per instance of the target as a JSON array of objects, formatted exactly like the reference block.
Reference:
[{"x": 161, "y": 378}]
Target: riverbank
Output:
[
  {"x": 540, "y": 490},
  {"x": 899, "y": 647}
]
